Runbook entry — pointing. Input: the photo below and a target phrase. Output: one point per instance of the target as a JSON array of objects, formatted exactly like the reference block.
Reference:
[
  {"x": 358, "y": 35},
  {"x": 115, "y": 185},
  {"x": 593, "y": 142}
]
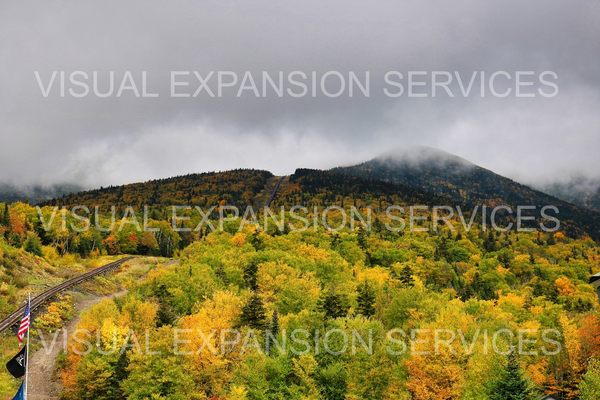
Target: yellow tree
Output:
[{"x": 208, "y": 340}]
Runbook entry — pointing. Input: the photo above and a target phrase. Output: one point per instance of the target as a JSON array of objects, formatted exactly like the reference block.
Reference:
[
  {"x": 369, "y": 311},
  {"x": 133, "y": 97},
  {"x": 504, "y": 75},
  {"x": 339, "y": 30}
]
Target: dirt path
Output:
[{"x": 43, "y": 384}]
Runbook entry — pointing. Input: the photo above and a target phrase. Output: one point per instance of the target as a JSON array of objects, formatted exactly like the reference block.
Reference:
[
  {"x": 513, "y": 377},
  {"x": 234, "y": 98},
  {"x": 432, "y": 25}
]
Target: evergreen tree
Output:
[
  {"x": 272, "y": 331},
  {"x": 250, "y": 275},
  {"x": 253, "y": 313},
  {"x": 362, "y": 238},
  {"x": 6, "y": 216},
  {"x": 511, "y": 384},
  {"x": 505, "y": 258},
  {"x": 366, "y": 300},
  {"x": 378, "y": 226},
  {"x": 38, "y": 227},
  {"x": 406, "y": 276},
  {"x": 489, "y": 243},
  {"x": 275, "y": 323},
  {"x": 165, "y": 315},
  {"x": 6, "y": 220},
  {"x": 335, "y": 241},
  {"x": 334, "y": 305},
  {"x": 220, "y": 273},
  {"x": 256, "y": 241},
  {"x": 483, "y": 288},
  {"x": 441, "y": 248},
  {"x": 33, "y": 245}
]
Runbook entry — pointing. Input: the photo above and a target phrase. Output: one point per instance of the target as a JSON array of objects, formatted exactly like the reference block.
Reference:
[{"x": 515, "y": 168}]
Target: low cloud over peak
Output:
[{"x": 98, "y": 141}]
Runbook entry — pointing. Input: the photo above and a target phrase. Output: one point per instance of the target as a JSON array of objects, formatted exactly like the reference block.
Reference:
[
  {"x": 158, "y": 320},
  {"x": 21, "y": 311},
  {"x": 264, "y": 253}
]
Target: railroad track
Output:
[
  {"x": 41, "y": 298},
  {"x": 274, "y": 191}
]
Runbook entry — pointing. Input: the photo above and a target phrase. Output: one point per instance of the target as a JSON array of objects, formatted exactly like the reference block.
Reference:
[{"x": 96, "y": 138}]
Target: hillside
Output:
[
  {"x": 315, "y": 292},
  {"x": 414, "y": 176},
  {"x": 237, "y": 187},
  {"x": 584, "y": 192},
  {"x": 443, "y": 174},
  {"x": 311, "y": 187}
]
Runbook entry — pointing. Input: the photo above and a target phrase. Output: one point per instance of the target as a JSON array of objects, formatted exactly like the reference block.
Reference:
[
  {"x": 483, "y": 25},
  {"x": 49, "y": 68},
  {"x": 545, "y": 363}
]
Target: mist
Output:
[{"x": 95, "y": 141}]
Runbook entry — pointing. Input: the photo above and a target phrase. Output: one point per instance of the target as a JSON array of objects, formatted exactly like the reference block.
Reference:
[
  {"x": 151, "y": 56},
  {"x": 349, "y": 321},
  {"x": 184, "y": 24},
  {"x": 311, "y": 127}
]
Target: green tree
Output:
[
  {"x": 250, "y": 274},
  {"x": 406, "y": 276},
  {"x": 366, "y": 299},
  {"x": 362, "y": 238},
  {"x": 457, "y": 253},
  {"x": 275, "y": 323},
  {"x": 590, "y": 384},
  {"x": 511, "y": 383},
  {"x": 167, "y": 239},
  {"x": 160, "y": 375},
  {"x": 272, "y": 331},
  {"x": 148, "y": 243},
  {"x": 441, "y": 248},
  {"x": 332, "y": 381},
  {"x": 253, "y": 313},
  {"x": 334, "y": 305},
  {"x": 256, "y": 241},
  {"x": 6, "y": 216},
  {"x": 98, "y": 377},
  {"x": 6, "y": 220},
  {"x": 33, "y": 244},
  {"x": 489, "y": 244}
]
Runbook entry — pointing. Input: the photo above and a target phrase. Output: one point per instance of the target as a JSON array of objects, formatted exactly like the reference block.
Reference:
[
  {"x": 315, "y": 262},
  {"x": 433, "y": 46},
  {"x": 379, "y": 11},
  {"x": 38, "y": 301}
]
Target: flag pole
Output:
[{"x": 27, "y": 351}]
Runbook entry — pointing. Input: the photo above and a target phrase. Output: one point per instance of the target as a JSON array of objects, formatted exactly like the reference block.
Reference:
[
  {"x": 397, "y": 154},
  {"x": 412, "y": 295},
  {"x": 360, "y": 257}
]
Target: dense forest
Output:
[
  {"x": 440, "y": 173},
  {"x": 436, "y": 178},
  {"x": 352, "y": 281},
  {"x": 239, "y": 187},
  {"x": 392, "y": 292},
  {"x": 52, "y": 231}
]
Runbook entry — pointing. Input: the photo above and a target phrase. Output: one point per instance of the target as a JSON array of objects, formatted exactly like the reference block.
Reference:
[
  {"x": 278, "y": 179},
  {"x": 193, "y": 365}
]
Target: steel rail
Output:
[{"x": 41, "y": 298}]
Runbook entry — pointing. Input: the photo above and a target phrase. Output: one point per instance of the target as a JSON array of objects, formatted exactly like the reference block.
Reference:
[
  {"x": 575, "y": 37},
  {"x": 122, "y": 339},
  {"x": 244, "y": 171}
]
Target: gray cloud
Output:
[{"x": 100, "y": 141}]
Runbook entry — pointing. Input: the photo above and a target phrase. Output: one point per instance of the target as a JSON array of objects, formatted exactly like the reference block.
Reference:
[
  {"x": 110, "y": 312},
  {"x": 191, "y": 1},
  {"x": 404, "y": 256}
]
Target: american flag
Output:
[{"x": 24, "y": 325}]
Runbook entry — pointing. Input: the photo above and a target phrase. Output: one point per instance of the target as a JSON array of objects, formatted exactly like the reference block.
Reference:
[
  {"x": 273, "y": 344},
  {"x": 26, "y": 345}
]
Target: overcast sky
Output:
[{"x": 93, "y": 141}]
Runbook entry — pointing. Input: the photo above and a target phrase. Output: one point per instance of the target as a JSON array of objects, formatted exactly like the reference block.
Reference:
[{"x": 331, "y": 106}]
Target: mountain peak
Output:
[
  {"x": 422, "y": 155},
  {"x": 424, "y": 159}
]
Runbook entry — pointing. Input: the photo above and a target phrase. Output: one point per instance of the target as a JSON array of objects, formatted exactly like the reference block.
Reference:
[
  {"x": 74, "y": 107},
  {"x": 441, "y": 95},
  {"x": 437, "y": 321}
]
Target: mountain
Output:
[
  {"x": 35, "y": 193},
  {"x": 443, "y": 174},
  {"x": 312, "y": 187},
  {"x": 420, "y": 175},
  {"x": 237, "y": 187},
  {"x": 582, "y": 191}
]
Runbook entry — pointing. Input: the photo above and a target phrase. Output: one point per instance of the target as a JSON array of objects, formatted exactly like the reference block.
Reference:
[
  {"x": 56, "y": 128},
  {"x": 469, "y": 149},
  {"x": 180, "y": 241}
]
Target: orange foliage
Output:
[
  {"x": 589, "y": 334},
  {"x": 17, "y": 224},
  {"x": 434, "y": 380},
  {"x": 564, "y": 286},
  {"x": 559, "y": 236}
]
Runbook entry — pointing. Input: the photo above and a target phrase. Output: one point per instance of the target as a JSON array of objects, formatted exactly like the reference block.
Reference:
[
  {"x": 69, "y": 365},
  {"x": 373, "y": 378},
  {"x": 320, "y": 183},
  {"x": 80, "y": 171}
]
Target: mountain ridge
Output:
[
  {"x": 445, "y": 174},
  {"x": 422, "y": 175}
]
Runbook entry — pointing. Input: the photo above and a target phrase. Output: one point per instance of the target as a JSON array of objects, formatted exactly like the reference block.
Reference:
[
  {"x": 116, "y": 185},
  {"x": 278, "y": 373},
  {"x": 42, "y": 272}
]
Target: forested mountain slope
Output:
[
  {"x": 444, "y": 174},
  {"x": 414, "y": 176},
  {"x": 581, "y": 191},
  {"x": 299, "y": 286},
  {"x": 236, "y": 187}
]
